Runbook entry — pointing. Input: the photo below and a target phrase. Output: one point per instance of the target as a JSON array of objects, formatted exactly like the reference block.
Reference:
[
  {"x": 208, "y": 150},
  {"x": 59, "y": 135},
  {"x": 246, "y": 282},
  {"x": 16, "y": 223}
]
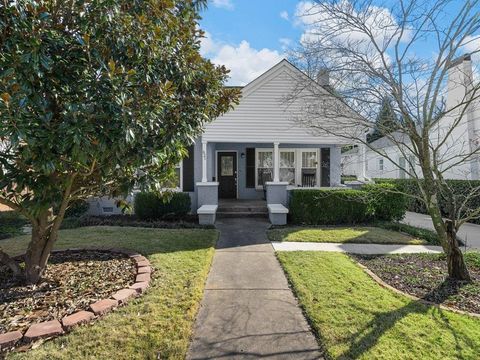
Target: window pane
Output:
[
  {"x": 288, "y": 174},
  {"x": 264, "y": 175},
  {"x": 226, "y": 166},
  {"x": 287, "y": 159},
  {"x": 265, "y": 159},
  {"x": 309, "y": 159}
]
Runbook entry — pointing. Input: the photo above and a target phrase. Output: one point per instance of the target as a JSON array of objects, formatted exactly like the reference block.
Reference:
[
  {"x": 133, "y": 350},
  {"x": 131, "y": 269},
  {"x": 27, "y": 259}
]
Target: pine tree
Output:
[{"x": 386, "y": 121}]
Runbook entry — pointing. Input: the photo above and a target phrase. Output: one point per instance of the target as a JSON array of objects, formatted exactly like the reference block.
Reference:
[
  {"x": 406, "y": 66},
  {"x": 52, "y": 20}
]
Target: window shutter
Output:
[
  {"x": 188, "y": 176},
  {"x": 325, "y": 171},
  {"x": 250, "y": 168}
]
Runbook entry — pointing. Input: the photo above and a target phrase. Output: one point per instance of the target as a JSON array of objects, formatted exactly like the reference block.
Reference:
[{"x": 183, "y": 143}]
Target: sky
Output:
[{"x": 250, "y": 36}]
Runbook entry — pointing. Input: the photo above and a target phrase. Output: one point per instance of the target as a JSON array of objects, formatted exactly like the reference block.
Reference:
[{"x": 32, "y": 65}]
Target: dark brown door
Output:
[{"x": 227, "y": 175}]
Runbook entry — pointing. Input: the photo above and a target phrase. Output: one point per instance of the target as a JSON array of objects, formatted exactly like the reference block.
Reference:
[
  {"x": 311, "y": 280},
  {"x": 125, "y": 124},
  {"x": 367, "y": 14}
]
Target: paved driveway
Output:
[
  {"x": 469, "y": 233},
  {"x": 248, "y": 310}
]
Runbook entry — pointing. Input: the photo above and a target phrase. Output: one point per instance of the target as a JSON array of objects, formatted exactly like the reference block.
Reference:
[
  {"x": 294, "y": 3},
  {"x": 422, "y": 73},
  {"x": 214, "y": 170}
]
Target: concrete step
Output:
[
  {"x": 242, "y": 214},
  {"x": 242, "y": 209}
]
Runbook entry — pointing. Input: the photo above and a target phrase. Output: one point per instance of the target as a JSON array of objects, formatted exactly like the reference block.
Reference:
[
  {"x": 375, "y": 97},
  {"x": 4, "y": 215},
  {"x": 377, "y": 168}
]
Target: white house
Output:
[
  {"x": 454, "y": 151},
  {"x": 257, "y": 145}
]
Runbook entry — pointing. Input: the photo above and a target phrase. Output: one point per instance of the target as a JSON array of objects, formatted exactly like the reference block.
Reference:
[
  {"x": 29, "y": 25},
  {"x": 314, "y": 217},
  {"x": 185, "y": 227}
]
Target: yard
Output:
[
  {"x": 344, "y": 234},
  {"x": 355, "y": 318},
  {"x": 157, "y": 325}
]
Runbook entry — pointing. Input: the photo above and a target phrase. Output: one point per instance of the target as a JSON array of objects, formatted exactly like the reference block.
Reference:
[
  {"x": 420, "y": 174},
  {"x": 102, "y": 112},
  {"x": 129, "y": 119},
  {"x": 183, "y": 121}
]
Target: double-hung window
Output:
[
  {"x": 296, "y": 166},
  {"x": 309, "y": 168},
  {"x": 264, "y": 161},
  {"x": 287, "y": 166},
  {"x": 380, "y": 164}
]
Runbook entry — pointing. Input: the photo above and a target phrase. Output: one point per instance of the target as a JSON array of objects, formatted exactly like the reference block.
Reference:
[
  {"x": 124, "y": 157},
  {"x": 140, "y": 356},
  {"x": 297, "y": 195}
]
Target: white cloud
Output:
[
  {"x": 245, "y": 63},
  {"x": 286, "y": 43},
  {"x": 284, "y": 15},
  {"x": 380, "y": 21},
  {"x": 224, "y": 4}
]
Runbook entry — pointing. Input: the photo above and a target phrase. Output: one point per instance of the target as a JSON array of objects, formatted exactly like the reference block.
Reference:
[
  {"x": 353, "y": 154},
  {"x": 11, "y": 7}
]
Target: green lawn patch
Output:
[
  {"x": 343, "y": 234},
  {"x": 355, "y": 318},
  {"x": 157, "y": 325}
]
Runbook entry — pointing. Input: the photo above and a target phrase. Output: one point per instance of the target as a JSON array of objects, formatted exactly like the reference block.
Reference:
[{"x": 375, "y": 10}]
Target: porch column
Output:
[
  {"x": 363, "y": 161},
  {"x": 276, "y": 163},
  {"x": 204, "y": 161}
]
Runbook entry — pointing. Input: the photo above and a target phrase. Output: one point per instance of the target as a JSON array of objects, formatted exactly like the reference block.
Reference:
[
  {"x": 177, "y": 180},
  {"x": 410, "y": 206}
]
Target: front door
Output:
[{"x": 227, "y": 175}]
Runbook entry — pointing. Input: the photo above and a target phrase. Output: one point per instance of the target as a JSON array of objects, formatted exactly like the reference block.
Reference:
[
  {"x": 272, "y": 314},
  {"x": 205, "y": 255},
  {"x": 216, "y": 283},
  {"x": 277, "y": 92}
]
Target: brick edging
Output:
[
  {"x": 382, "y": 283},
  {"x": 54, "y": 328}
]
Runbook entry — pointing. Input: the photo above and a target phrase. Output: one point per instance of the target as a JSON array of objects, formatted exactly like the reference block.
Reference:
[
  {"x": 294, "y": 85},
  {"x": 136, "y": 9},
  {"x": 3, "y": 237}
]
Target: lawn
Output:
[
  {"x": 343, "y": 234},
  {"x": 355, "y": 318},
  {"x": 159, "y": 324}
]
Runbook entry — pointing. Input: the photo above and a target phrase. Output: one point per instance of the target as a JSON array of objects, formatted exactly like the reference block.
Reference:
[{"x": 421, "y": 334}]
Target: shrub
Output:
[
  {"x": 11, "y": 224},
  {"x": 460, "y": 188},
  {"x": 345, "y": 178},
  {"x": 385, "y": 203},
  {"x": 346, "y": 206},
  {"x": 320, "y": 207},
  {"x": 150, "y": 206},
  {"x": 77, "y": 209}
]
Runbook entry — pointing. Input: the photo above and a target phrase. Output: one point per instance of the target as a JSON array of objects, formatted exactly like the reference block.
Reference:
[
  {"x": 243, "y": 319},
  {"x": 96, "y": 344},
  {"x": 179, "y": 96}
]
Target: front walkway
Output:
[
  {"x": 248, "y": 310},
  {"x": 362, "y": 249},
  {"x": 469, "y": 233}
]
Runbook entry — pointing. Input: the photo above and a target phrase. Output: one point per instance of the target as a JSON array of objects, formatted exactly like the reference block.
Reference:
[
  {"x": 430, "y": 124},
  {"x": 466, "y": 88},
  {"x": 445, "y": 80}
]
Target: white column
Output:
[
  {"x": 276, "y": 163},
  {"x": 204, "y": 161},
  {"x": 363, "y": 157}
]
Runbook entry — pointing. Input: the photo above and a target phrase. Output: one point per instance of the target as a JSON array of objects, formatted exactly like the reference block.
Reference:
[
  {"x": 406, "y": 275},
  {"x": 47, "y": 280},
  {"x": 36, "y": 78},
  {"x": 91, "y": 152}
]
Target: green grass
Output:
[
  {"x": 428, "y": 235},
  {"x": 355, "y": 318},
  {"x": 157, "y": 325},
  {"x": 349, "y": 234}
]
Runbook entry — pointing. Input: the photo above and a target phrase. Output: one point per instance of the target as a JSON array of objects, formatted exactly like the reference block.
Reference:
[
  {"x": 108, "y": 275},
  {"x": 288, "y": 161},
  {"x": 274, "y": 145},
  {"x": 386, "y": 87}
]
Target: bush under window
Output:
[{"x": 151, "y": 206}]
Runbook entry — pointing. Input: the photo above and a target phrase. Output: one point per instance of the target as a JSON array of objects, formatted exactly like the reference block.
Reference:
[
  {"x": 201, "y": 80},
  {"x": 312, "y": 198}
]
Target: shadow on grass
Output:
[{"x": 366, "y": 338}]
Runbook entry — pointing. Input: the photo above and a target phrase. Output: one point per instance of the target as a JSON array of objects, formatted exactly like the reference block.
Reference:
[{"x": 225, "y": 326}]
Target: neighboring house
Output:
[
  {"x": 453, "y": 154},
  {"x": 256, "y": 143}
]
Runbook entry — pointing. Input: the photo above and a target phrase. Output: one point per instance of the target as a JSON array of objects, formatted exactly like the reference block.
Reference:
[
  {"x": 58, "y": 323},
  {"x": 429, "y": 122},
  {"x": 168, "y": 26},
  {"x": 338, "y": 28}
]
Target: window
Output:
[
  {"x": 380, "y": 164},
  {"x": 296, "y": 166},
  {"x": 287, "y": 166},
  {"x": 309, "y": 168},
  {"x": 264, "y": 166}
]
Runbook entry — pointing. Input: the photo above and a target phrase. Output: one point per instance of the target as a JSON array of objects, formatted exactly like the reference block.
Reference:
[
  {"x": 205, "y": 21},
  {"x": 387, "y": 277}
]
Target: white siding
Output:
[{"x": 264, "y": 116}]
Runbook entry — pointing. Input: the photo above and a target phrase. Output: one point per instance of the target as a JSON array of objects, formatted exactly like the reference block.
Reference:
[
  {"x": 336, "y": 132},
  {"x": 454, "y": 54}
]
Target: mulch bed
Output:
[
  {"x": 425, "y": 276},
  {"x": 72, "y": 281}
]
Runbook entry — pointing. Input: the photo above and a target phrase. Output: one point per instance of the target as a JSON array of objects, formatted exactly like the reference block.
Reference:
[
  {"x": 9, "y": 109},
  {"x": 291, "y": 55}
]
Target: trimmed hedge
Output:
[
  {"x": 409, "y": 186},
  {"x": 346, "y": 206},
  {"x": 150, "y": 206},
  {"x": 77, "y": 209}
]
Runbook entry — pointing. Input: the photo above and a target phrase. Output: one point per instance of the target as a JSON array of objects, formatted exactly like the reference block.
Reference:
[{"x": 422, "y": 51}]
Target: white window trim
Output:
[
  {"x": 180, "y": 165},
  {"x": 297, "y": 160}
]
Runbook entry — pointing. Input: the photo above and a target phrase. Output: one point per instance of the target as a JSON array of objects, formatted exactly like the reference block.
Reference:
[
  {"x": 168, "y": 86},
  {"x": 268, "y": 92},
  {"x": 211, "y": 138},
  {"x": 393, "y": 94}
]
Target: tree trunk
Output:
[
  {"x": 44, "y": 236},
  {"x": 457, "y": 269},
  {"x": 12, "y": 264}
]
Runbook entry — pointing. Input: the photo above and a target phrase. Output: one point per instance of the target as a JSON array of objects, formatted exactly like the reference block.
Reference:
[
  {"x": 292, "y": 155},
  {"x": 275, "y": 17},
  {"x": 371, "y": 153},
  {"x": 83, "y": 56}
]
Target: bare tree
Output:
[{"x": 373, "y": 51}]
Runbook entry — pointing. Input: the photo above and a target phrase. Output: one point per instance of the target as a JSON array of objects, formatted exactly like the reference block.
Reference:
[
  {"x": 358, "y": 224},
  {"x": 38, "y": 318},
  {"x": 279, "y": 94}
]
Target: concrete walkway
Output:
[
  {"x": 248, "y": 310},
  {"x": 364, "y": 249},
  {"x": 469, "y": 233}
]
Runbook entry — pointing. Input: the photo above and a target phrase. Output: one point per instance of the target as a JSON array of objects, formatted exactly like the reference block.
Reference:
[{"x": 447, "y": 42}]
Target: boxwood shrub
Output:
[
  {"x": 151, "y": 206},
  {"x": 346, "y": 206}
]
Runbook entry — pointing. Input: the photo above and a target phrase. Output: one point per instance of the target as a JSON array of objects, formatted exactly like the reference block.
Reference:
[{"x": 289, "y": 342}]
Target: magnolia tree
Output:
[
  {"x": 408, "y": 51},
  {"x": 96, "y": 97}
]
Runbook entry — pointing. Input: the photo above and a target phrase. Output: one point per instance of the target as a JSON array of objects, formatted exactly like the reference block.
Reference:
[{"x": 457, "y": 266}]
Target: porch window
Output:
[
  {"x": 177, "y": 182},
  {"x": 264, "y": 166},
  {"x": 287, "y": 166},
  {"x": 309, "y": 168}
]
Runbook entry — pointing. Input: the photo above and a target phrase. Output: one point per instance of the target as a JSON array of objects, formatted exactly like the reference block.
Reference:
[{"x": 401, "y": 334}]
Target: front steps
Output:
[{"x": 242, "y": 208}]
